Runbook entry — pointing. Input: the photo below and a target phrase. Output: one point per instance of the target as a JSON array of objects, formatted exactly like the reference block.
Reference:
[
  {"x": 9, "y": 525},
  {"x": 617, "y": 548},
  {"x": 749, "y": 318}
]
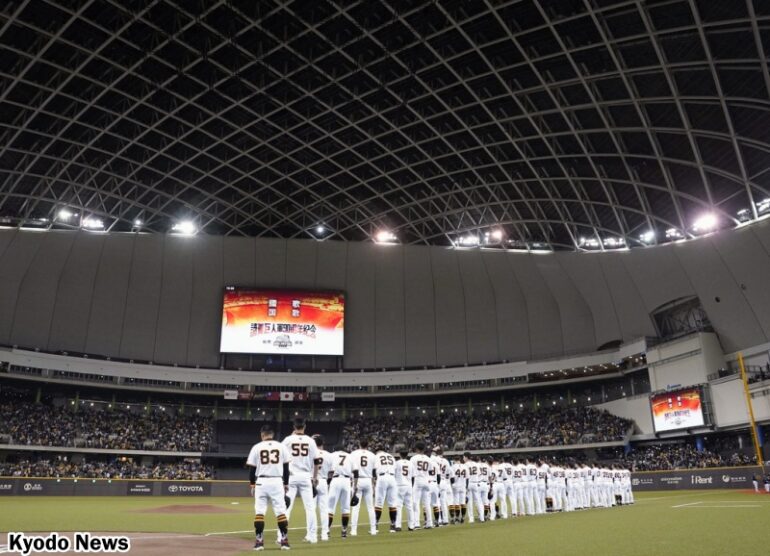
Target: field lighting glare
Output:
[
  {"x": 469, "y": 240},
  {"x": 647, "y": 237},
  {"x": 93, "y": 223},
  {"x": 385, "y": 236},
  {"x": 64, "y": 215},
  {"x": 705, "y": 223},
  {"x": 185, "y": 227}
]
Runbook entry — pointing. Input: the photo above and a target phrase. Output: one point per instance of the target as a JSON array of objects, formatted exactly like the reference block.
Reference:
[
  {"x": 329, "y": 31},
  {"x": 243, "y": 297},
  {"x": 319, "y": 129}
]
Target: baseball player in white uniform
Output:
[
  {"x": 459, "y": 490},
  {"x": 475, "y": 490},
  {"x": 530, "y": 479},
  {"x": 364, "y": 460},
  {"x": 445, "y": 495},
  {"x": 540, "y": 487},
  {"x": 404, "y": 484},
  {"x": 421, "y": 468},
  {"x": 498, "y": 491},
  {"x": 344, "y": 478},
  {"x": 324, "y": 476},
  {"x": 303, "y": 475},
  {"x": 433, "y": 485},
  {"x": 520, "y": 487},
  {"x": 506, "y": 469},
  {"x": 385, "y": 487},
  {"x": 268, "y": 464},
  {"x": 485, "y": 486}
]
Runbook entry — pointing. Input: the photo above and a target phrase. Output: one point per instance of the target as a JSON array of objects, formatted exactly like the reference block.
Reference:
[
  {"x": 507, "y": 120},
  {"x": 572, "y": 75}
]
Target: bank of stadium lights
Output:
[
  {"x": 92, "y": 223},
  {"x": 65, "y": 215},
  {"x": 469, "y": 241},
  {"x": 673, "y": 233},
  {"x": 184, "y": 227},
  {"x": 647, "y": 237},
  {"x": 705, "y": 223},
  {"x": 385, "y": 236}
]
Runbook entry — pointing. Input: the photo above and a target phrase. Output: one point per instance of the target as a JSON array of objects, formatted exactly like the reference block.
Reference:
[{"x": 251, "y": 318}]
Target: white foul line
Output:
[{"x": 685, "y": 505}]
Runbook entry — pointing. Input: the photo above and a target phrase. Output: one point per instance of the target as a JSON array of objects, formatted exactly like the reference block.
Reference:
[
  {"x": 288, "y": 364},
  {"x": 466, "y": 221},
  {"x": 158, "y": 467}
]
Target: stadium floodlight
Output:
[
  {"x": 647, "y": 237},
  {"x": 320, "y": 229},
  {"x": 92, "y": 223},
  {"x": 384, "y": 236},
  {"x": 185, "y": 227},
  {"x": 705, "y": 223},
  {"x": 469, "y": 240},
  {"x": 763, "y": 206},
  {"x": 65, "y": 215},
  {"x": 589, "y": 242},
  {"x": 497, "y": 235},
  {"x": 137, "y": 222},
  {"x": 673, "y": 233},
  {"x": 614, "y": 242}
]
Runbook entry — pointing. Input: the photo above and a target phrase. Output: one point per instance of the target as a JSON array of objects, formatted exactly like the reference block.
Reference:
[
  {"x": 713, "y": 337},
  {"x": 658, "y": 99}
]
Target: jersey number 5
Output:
[{"x": 299, "y": 450}]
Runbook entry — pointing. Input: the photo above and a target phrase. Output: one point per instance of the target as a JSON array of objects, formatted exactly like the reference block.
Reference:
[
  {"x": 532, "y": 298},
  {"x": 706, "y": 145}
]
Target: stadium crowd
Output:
[
  {"x": 665, "y": 457},
  {"x": 45, "y": 425},
  {"x": 116, "y": 469},
  {"x": 550, "y": 426}
]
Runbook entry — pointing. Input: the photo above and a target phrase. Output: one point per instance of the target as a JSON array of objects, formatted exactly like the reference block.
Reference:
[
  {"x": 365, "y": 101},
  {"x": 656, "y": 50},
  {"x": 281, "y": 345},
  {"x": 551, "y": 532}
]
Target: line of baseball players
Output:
[{"x": 427, "y": 485}]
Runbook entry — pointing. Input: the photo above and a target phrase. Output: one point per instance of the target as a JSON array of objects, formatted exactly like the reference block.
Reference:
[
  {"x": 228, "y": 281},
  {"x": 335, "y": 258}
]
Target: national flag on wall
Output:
[{"x": 287, "y": 396}]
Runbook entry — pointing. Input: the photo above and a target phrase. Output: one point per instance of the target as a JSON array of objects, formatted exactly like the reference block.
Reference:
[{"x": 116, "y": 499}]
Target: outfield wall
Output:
[
  {"x": 720, "y": 477},
  {"x": 120, "y": 487},
  {"x": 725, "y": 477}
]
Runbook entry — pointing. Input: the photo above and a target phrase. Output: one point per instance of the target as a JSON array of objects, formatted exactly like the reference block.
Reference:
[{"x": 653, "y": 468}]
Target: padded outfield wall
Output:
[{"x": 158, "y": 297}]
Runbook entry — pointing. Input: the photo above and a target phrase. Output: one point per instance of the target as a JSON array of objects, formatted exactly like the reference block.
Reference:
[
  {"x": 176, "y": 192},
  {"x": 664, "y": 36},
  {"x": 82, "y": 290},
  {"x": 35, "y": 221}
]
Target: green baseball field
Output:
[{"x": 724, "y": 522}]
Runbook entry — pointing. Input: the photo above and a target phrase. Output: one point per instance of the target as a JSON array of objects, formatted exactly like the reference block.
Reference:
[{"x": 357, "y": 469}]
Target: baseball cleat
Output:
[{"x": 259, "y": 545}]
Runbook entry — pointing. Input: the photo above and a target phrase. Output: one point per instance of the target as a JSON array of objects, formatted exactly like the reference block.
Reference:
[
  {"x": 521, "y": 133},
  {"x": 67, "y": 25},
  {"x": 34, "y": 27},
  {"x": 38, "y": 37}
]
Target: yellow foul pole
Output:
[{"x": 750, "y": 407}]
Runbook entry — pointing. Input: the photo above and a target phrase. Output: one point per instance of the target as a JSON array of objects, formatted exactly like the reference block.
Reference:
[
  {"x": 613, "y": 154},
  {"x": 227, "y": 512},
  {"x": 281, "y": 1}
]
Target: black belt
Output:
[
  {"x": 381, "y": 474},
  {"x": 269, "y": 477},
  {"x": 341, "y": 476}
]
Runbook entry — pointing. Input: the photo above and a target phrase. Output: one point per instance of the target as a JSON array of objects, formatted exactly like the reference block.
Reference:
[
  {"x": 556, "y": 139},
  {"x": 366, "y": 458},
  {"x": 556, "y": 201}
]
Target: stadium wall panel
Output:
[
  {"x": 390, "y": 344},
  {"x": 591, "y": 285},
  {"x": 480, "y": 309},
  {"x": 721, "y": 295},
  {"x": 140, "y": 321},
  {"x": 434, "y": 306},
  {"x": 451, "y": 333},
  {"x": 74, "y": 294},
  {"x": 510, "y": 307},
  {"x": 544, "y": 318},
  {"x": 37, "y": 292},
  {"x": 175, "y": 305},
  {"x": 207, "y": 285},
  {"x": 109, "y": 296}
]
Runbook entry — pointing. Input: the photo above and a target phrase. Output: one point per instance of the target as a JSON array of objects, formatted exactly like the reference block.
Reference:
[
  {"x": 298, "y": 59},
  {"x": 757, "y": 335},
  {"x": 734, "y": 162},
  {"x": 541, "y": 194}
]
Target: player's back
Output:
[
  {"x": 384, "y": 463},
  {"x": 420, "y": 466},
  {"x": 268, "y": 458},
  {"x": 342, "y": 466},
  {"x": 364, "y": 461},
  {"x": 303, "y": 452},
  {"x": 327, "y": 463},
  {"x": 403, "y": 472}
]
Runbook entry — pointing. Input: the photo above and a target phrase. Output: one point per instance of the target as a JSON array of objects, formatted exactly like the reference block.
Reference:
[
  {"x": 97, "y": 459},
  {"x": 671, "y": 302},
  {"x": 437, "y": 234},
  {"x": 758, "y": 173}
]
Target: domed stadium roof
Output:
[{"x": 527, "y": 124}]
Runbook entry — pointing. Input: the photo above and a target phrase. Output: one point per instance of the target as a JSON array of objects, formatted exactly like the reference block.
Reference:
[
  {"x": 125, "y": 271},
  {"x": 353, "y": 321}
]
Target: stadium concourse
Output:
[{"x": 398, "y": 265}]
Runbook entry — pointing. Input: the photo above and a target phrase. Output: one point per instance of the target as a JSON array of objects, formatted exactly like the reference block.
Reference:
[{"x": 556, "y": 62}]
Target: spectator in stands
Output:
[
  {"x": 551, "y": 426},
  {"x": 45, "y": 425},
  {"x": 118, "y": 469}
]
